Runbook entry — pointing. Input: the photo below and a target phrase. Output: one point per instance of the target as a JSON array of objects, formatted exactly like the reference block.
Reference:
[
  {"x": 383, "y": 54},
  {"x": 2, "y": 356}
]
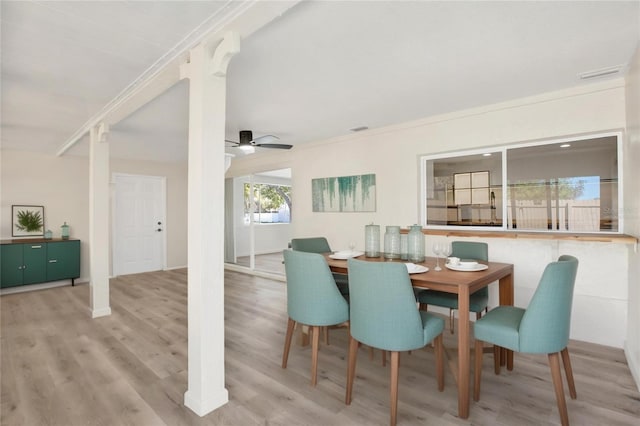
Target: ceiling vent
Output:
[{"x": 600, "y": 72}]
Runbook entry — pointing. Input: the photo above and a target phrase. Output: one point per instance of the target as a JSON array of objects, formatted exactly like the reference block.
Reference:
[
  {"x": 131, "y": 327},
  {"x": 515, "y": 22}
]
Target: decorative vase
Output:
[
  {"x": 48, "y": 234},
  {"x": 392, "y": 242},
  {"x": 65, "y": 231},
  {"x": 415, "y": 242},
  {"x": 404, "y": 247},
  {"x": 372, "y": 240}
]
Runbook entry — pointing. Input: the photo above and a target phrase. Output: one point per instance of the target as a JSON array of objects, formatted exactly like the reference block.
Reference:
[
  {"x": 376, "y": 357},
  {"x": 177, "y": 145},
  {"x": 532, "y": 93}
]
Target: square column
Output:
[
  {"x": 99, "y": 221},
  {"x": 207, "y": 114}
]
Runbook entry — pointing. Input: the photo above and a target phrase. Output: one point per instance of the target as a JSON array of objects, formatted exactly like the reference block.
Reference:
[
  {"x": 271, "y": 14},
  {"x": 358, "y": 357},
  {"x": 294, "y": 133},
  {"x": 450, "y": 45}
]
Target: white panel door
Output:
[{"x": 139, "y": 224}]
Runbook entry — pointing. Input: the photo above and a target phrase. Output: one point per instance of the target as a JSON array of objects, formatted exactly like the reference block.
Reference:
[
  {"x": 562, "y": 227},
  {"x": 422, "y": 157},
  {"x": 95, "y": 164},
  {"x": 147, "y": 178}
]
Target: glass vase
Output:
[
  {"x": 392, "y": 242},
  {"x": 64, "y": 231},
  {"x": 415, "y": 242},
  {"x": 404, "y": 247},
  {"x": 372, "y": 240}
]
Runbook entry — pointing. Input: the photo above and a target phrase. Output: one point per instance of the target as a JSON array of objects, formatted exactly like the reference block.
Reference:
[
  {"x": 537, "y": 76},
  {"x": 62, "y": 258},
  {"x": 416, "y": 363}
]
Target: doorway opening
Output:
[{"x": 258, "y": 213}]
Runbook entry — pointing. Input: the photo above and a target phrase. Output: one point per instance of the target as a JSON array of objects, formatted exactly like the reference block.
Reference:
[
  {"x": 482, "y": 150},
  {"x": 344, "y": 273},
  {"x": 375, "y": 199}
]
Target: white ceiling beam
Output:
[{"x": 243, "y": 18}]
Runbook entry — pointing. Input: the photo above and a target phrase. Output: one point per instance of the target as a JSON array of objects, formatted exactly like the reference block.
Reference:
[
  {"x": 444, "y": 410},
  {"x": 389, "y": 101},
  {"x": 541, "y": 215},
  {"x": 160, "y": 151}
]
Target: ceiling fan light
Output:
[{"x": 247, "y": 148}]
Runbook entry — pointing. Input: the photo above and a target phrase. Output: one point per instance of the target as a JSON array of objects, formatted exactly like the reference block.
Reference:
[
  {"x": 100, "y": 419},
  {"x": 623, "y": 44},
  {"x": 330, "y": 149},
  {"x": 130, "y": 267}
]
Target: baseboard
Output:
[
  {"x": 633, "y": 364},
  {"x": 34, "y": 287},
  {"x": 175, "y": 267}
]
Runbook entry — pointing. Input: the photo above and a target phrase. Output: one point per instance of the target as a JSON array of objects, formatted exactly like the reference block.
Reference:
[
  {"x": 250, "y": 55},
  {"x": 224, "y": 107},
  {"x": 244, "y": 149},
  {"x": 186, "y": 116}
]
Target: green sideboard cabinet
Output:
[{"x": 36, "y": 261}]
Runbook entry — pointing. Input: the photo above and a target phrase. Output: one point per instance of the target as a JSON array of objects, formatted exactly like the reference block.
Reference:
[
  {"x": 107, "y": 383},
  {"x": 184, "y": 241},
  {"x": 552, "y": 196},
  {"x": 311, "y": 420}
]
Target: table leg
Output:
[
  {"x": 463, "y": 352},
  {"x": 506, "y": 298}
]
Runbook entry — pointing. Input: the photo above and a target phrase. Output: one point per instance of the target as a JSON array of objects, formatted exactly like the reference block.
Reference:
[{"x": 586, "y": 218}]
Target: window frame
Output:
[{"x": 502, "y": 150}]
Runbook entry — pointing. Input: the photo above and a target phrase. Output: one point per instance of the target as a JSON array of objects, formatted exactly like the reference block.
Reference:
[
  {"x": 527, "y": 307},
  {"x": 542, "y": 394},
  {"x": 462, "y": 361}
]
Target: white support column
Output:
[
  {"x": 99, "y": 221},
  {"x": 207, "y": 112}
]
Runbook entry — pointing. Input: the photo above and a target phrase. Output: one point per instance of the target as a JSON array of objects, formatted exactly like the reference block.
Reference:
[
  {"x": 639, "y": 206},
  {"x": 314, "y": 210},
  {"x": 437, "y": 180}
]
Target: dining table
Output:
[{"x": 462, "y": 283}]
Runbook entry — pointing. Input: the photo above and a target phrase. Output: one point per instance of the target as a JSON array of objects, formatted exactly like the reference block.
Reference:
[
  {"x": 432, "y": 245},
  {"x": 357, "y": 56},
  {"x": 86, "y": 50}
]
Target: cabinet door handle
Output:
[
  {"x": 20, "y": 267},
  {"x": 36, "y": 247},
  {"x": 53, "y": 261}
]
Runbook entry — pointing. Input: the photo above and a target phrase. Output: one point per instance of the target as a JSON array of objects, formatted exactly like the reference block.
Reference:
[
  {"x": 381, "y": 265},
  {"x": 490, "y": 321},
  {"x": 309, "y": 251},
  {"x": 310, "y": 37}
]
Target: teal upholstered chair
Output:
[
  {"x": 543, "y": 328},
  {"x": 320, "y": 245},
  {"x": 384, "y": 315},
  {"x": 312, "y": 299},
  {"x": 478, "y": 301}
]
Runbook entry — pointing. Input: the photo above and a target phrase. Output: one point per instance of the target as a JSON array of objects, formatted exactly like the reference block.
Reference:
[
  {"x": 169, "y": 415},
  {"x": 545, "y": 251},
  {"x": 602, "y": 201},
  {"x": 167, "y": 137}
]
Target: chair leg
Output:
[
  {"x": 569, "y": 373},
  {"x": 556, "y": 375},
  {"x": 395, "y": 366},
  {"x": 315, "y": 345},
  {"x": 497, "y": 359},
  {"x": 287, "y": 342},
  {"x": 384, "y": 358},
  {"x": 477, "y": 372},
  {"x": 451, "y": 321},
  {"x": 423, "y": 307},
  {"x": 439, "y": 361},
  {"x": 326, "y": 335},
  {"x": 478, "y": 315},
  {"x": 351, "y": 367}
]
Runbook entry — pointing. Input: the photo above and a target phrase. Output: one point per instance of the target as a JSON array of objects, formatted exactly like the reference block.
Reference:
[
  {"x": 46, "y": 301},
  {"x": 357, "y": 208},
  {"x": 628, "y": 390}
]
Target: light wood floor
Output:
[
  {"x": 59, "y": 367},
  {"x": 270, "y": 262}
]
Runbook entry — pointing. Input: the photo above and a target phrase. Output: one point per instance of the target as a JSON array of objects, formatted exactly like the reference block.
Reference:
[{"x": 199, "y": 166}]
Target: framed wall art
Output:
[
  {"x": 27, "y": 221},
  {"x": 344, "y": 194}
]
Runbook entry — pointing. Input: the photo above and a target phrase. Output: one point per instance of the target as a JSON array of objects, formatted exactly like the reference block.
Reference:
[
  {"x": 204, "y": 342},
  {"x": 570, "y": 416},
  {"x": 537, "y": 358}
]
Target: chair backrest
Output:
[
  {"x": 312, "y": 295},
  {"x": 311, "y": 245},
  {"x": 546, "y": 323},
  {"x": 472, "y": 250},
  {"x": 383, "y": 311}
]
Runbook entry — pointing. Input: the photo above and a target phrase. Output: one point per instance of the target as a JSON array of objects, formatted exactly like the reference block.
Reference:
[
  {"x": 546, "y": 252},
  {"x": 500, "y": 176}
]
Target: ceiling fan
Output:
[{"x": 247, "y": 143}]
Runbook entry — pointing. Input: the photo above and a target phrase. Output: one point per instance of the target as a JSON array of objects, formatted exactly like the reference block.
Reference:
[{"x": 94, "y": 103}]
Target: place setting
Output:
[
  {"x": 347, "y": 254},
  {"x": 464, "y": 265}
]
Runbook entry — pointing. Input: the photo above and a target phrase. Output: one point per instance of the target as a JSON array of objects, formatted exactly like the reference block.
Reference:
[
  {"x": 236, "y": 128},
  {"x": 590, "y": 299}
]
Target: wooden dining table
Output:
[{"x": 462, "y": 283}]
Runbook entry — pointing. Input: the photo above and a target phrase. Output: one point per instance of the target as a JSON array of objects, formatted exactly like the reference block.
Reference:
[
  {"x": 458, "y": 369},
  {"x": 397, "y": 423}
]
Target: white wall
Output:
[
  {"x": 61, "y": 185},
  {"x": 600, "y": 304},
  {"x": 632, "y": 214}
]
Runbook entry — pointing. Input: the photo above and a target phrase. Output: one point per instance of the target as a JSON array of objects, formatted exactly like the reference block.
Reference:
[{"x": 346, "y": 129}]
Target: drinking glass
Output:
[
  {"x": 437, "y": 250},
  {"x": 445, "y": 250}
]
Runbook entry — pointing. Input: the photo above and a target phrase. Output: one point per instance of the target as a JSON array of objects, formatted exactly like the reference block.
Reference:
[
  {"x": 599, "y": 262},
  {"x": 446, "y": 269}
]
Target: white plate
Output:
[
  {"x": 412, "y": 268},
  {"x": 343, "y": 255},
  {"x": 478, "y": 267}
]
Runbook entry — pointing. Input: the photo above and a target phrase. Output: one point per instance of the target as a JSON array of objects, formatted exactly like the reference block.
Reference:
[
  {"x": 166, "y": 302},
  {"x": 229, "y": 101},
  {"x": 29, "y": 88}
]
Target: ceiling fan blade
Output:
[
  {"x": 264, "y": 139},
  {"x": 274, "y": 145},
  {"x": 233, "y": 142}
]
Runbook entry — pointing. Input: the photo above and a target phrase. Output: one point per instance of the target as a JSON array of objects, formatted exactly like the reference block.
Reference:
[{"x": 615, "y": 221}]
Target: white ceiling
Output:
[{"x": 322, "y": 68}]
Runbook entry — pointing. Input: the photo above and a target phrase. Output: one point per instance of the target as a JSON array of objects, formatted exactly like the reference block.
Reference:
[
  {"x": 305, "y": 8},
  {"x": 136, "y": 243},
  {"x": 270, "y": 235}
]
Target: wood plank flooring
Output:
[
  {"x": 269, "y": 262},
  {"x": 60, "y": 367}
]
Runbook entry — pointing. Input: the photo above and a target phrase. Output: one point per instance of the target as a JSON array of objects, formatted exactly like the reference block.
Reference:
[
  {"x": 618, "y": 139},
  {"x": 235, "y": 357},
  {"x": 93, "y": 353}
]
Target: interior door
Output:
[{"x": 139, "y": 224}]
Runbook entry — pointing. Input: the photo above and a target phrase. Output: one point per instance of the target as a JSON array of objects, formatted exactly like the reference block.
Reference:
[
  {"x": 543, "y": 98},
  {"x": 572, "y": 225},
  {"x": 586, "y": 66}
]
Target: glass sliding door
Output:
[{"x": 262, "y": 215}]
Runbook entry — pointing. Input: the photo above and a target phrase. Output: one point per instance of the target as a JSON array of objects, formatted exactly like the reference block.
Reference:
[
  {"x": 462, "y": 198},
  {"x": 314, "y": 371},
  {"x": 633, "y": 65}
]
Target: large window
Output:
[
  {"x": 568, "y": 185},
  {"x": 271, "y": 203}
]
